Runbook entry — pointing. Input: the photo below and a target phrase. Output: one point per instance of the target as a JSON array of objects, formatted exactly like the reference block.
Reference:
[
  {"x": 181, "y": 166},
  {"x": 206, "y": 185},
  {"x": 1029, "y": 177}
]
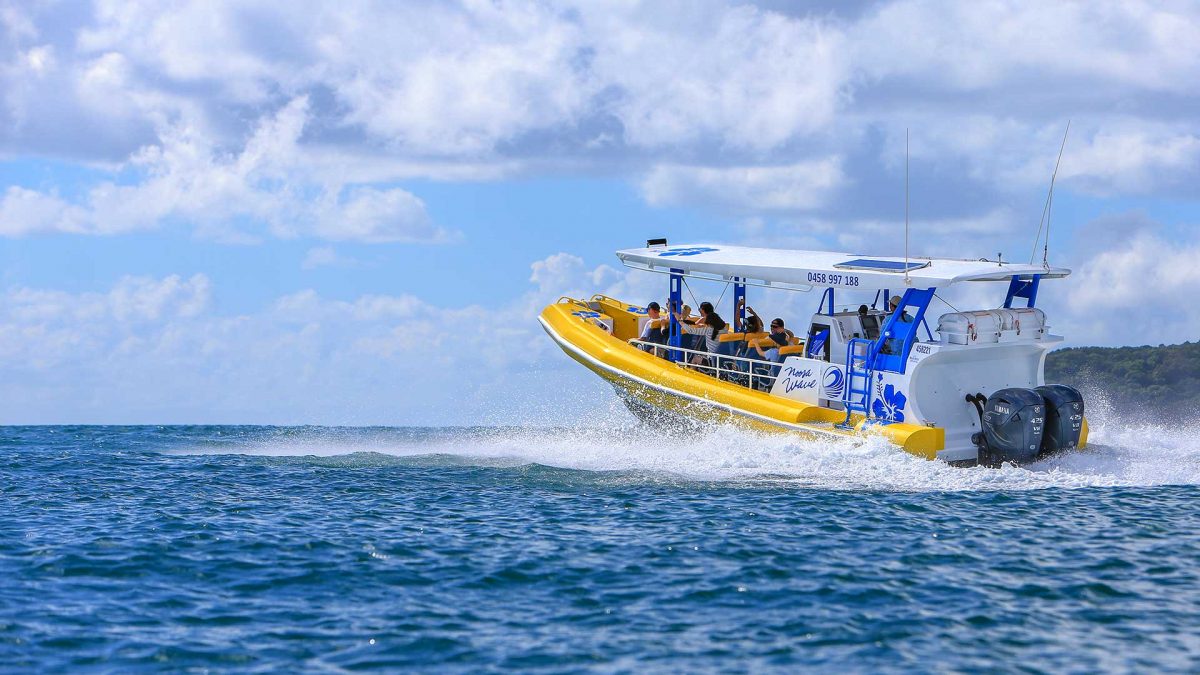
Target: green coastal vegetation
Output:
[{"x": 1162, "y": 381}]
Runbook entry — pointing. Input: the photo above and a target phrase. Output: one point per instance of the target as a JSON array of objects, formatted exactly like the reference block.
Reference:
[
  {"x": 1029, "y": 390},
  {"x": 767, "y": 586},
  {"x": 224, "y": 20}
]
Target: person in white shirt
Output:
[{"x": 650, "y": 333}]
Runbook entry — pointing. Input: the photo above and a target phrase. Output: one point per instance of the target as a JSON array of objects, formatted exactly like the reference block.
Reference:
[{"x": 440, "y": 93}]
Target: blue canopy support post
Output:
[
  {"x": 675, "y": 305},
  {"x": 887, "y": 296},
  {"x": 1022, "y": 288},
  {"x": 739, "y": 302},
  {"x": 827, "y": 294}
]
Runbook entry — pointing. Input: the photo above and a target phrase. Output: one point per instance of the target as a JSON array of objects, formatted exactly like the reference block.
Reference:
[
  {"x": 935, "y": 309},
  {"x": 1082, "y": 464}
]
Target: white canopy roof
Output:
[{"x": 787, "y": 268}]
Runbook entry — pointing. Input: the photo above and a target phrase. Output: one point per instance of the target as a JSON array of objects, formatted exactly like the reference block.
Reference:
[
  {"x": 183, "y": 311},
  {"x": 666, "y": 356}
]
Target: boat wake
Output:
[{"x": 1117, "y": 455}]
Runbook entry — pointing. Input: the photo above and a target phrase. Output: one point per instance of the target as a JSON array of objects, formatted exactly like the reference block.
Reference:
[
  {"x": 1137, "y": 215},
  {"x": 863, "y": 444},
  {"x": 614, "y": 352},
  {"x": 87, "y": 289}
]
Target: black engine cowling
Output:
[
  {"x": 1014, "y": 422},
  {"x": 1064, "y": 417}
]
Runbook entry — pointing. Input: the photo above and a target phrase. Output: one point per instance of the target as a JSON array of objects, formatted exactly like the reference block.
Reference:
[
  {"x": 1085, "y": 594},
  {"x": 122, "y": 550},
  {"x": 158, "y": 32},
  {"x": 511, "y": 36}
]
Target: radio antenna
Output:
[
  {"x": 1045, "y": 221},
  {"x": 906, "y": 281}
]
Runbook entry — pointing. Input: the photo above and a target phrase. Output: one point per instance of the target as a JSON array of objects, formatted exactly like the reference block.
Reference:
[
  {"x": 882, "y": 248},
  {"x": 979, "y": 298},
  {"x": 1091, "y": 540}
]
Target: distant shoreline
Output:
[{"x": 1140, "y": 383}]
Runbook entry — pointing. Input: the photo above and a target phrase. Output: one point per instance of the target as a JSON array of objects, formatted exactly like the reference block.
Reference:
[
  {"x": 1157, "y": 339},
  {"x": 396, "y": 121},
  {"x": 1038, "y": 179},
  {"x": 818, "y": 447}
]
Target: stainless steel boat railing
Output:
[{"x": 717, "y": 365}]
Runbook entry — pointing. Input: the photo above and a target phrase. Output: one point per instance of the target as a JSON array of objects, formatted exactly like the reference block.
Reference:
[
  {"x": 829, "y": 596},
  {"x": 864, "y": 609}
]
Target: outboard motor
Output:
[
  {"x": 1013, "y": 422},
  {"x": 1064, "y": 417}
]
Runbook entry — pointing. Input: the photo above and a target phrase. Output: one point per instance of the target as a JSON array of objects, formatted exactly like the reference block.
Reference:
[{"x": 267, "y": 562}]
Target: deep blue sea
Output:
[{"x": 210, "y": 548}]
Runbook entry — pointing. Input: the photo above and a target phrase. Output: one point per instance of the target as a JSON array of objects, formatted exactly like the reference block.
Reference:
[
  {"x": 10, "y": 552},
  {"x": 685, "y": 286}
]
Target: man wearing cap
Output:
[
  {"x": 649, "y": 332},
  {"x": 780, "y": 336}
]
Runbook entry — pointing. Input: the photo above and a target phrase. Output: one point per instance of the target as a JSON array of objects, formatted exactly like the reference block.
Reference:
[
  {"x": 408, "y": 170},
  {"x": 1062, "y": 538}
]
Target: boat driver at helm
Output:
[
  {"x": 893, "y": 345},
  {"x": 903, "y": 315}
]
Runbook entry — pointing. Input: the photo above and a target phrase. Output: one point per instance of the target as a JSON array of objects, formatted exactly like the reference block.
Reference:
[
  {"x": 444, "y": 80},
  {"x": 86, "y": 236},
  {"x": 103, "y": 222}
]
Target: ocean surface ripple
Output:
[{"x": 461, "y": 550}]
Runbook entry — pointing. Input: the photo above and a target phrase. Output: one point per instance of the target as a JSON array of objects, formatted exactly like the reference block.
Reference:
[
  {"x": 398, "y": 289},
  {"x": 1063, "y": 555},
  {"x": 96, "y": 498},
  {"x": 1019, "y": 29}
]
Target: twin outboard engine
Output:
[
  {"x": 1024, "y": 425},
  {"x": 1064, "y": 417}
]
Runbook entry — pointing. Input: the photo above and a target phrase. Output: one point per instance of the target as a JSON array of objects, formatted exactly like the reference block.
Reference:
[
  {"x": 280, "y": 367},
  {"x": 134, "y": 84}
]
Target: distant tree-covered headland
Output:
[{"x": 1162, "y": 381}]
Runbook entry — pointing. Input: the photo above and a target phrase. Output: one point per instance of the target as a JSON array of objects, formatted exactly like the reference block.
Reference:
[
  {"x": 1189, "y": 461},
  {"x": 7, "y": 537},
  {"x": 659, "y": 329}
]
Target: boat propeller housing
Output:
[{"x": 1023, "y": 425}]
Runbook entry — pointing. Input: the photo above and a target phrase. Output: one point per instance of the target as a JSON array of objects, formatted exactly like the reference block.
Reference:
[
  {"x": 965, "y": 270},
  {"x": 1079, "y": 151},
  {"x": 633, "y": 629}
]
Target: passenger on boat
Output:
[
  {"x": 903, "y": 315},
  {"x": 651, "y": 331},
  {"x": 749, "y": 324},
  {"x": 709, "y": 325},
  {"x": 781, "y": 336},
  {"x": 752, "y": 324},
  {"x": 686, "y": 340},
  {"x": 755, "y": 315},
  {"x": 895, "y": 345}
]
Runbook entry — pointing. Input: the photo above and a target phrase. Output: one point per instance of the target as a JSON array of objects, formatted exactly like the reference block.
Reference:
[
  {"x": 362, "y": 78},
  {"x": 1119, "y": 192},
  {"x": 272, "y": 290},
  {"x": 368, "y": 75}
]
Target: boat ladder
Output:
[{"x": 857, "y": 397}]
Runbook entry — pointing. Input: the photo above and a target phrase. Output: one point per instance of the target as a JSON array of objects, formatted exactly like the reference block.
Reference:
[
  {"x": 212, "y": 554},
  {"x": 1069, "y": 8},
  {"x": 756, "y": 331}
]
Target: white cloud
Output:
[
  {"x": 160, "y": 349},
  {"x": 370, "y": 215},
  {"x": 483, "y": 91},
  {"x": 972, "y": 236},
  {"x": 25, "y": 212},
  {"x": 1134, "y": 161},
  {"x": 190, "y": 180},
  {"x": 1136, "y": 292},
  {"x": 456, "y": 81},
  {"x": 142, "y": 298},
  {"x": 795, "y": 187},
  {"x": 564, "y": 273},
  {"x": 327, "y": 256},
  {"x": 737, "y": 76},
  {"x": 980, "y": 45}
]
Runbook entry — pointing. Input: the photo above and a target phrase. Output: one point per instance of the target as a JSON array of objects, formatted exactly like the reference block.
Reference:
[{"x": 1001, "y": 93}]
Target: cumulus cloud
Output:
[
  {"x": 738, "y": 76},
  {"x": 55, "y": 332},
  {"x": 1133, "y": 291},
  {"x": 154, "y": 349},
  {"x": 976, "y": 46},
  {"x": 795, "y": 187},
  {"x": 186, "y": 178},
  {"x": 327, "y": 256},
  {"x": 25, "y": 212},
  {"x": 722, "y": 96}
]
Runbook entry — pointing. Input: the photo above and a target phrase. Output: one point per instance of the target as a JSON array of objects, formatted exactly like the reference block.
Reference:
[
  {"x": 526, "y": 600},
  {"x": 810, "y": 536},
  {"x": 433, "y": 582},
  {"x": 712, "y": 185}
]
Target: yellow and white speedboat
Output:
[{"x": 970, "y": 391}]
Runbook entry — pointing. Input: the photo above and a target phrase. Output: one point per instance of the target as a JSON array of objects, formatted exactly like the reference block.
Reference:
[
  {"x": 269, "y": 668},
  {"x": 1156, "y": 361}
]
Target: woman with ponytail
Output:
[{"x": 710, "y": 325}]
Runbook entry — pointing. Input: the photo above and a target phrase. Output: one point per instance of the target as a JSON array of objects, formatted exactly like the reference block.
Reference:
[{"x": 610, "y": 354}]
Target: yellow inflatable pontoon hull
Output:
[{"x": 656, "y": 382}]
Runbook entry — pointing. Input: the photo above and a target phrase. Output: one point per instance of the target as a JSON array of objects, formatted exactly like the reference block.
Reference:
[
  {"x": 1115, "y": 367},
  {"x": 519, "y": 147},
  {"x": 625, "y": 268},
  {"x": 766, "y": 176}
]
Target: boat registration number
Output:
[{"x": 833, "y": 279}]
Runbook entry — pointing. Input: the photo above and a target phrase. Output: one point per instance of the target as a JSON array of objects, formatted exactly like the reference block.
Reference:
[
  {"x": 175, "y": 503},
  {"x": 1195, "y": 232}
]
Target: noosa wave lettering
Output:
[{"x": 795, "y": 378}]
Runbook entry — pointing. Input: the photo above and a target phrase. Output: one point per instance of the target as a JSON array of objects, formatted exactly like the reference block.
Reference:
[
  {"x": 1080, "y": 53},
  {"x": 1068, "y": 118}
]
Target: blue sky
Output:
[{"x": 245, "y": 212}]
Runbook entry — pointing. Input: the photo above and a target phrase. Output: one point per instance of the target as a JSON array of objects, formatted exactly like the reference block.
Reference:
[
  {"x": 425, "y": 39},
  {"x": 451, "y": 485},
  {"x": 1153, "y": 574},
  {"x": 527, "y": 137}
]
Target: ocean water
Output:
[{"x": 208, "y": 548}]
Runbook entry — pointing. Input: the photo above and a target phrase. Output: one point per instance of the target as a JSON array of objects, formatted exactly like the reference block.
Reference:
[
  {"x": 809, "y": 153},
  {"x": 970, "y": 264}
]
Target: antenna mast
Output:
[
  {"x": 906, "y": 281},
  {"x": 1045, "y": 221}
]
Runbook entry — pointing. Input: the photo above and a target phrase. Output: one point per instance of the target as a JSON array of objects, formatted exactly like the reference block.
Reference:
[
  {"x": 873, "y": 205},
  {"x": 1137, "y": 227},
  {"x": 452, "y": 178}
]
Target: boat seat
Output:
[
  {"x": 792, "y": 350},
  {"x": 756, "y": 336},
  {"x": 731, "y": 337}
]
